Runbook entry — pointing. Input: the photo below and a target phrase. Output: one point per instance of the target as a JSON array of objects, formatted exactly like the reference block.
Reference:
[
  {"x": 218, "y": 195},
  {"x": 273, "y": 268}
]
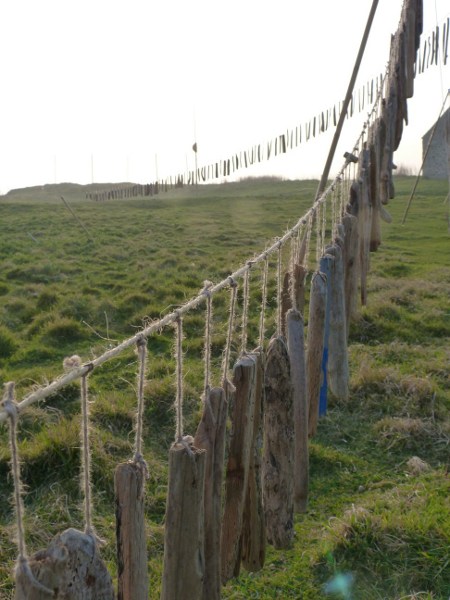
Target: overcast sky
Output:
[{"x": 111, "y": 84}]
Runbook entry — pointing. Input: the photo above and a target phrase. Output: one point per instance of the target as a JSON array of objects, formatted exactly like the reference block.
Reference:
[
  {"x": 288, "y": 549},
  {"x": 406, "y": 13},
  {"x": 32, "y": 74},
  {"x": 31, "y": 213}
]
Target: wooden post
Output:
[
  {"x": 325, "y": 268},
  {"x": 316, "y": 329},
  {"x": 254, "y": 528},
  {"x": 210, "y": 436},
  {"x": 244, "y": 380},
  {"x": 129, "y": 485},
  {"x": 278, "y": 458},
  {"x": 71, "y": 567},
  {"x": 296, "y": 349},
  {"x": 351, "y": 266},
  {"x": 338, "y": 374},
  {"x": 184, "y": 560}
]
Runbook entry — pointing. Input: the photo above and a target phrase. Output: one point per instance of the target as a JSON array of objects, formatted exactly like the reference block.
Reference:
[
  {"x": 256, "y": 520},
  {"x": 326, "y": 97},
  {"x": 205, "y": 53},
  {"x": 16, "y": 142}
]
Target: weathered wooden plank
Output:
[
  {"x": 210, "y": 436},
  {"x": 296, "y": 350},
  {"x": 325, "y": 267},
  {"x": 351, "y": 266},
  {"x": 278, "y": 457},
  {"x": 184, "y": 561},
  {"x": 132, "y": 566},
  {"x": 314, "y": 354},
  {"x": 241, "y": 435},
  {"x": 253, "y": 544}
]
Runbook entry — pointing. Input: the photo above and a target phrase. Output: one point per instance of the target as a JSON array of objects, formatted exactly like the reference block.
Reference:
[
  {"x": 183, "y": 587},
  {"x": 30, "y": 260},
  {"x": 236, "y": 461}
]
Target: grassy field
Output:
[{"x": 378, "y": 526}]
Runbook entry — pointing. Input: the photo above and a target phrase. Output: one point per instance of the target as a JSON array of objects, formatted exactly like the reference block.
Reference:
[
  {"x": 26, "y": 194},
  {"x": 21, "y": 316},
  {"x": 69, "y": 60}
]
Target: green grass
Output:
[{"x": 374, "y": 529}]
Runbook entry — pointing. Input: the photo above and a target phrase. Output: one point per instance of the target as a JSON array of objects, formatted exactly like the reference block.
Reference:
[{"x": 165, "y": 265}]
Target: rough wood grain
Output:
[
  {"x": 278, "y": 457},
  {"x": 129, "y": 480},
  {"x": 296, "y": 350},
  {"x": 71, "y": 566},
  {"x": 253, "y": 545},
  {"x": 350, "y": 257},
  {"x": 241, "y": 435},
  {"x": 184, "y": 561},
  {"x": 210, "y": 436},
  {"x": 314, "y": 354}
]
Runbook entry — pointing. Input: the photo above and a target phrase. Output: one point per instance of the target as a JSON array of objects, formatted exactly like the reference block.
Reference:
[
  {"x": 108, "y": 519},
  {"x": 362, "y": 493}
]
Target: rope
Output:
[
  {"x": 245, "y": 304},
  {"x": 262, "y": 315},
  {"x": 207, "y": 346},
  {"x": 86, "y": 456},
  {"x": 179, "y": 378},
  {"x": 294, "y": 251},
  {"x": 279, "y": 290},
  {"x": 227, "y": 351},
  {"x": 22, "y": 566},
  {"x": 138, "y": 453}
]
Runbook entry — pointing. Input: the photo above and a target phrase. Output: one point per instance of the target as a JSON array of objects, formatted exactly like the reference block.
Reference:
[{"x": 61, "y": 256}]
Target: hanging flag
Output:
[{"x": 194, "y": 147}]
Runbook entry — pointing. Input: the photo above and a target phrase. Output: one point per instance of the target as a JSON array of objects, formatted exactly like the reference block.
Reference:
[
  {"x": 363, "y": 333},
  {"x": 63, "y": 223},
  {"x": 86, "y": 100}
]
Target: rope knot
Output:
[
  {"x": 89, "y": 366},
  {"x": 233, "y": 282},
  {"x": 141, "y": 342},
  {"x": 206, "y": 291}
]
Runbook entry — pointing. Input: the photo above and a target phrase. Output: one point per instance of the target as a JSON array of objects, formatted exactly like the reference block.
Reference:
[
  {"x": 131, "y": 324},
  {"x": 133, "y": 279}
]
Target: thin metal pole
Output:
[
  {"x": 348, "y": 97},
  {"x": 433, "y": 131}
]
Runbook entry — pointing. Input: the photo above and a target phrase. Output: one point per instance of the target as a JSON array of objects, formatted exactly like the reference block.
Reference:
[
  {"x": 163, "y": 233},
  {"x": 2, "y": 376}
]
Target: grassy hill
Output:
[{"x": 378, "y": 526}]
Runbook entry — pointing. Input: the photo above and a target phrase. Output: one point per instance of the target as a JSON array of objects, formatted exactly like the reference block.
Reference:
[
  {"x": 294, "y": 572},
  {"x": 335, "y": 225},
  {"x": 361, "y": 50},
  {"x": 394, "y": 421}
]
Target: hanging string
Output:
[
  {"x": 245, "y": 303},
  {"x": 262, "y": 314},
  {"x": 231, "y": 318},
  {"x": 86, "y": 455},
  {"x": 308, "y": 238},
  {"x": 293, "y": 257},
  {"x": 179, "y": 378},
  {"x": 319, "y": 220},
  {"x": 324, "y": 224},
  {"x": 10, "y": 406},
  {"x": 207, "y": 348},
  {"x": 279, "y": 291},
  {"x": 141, "y": 348}
]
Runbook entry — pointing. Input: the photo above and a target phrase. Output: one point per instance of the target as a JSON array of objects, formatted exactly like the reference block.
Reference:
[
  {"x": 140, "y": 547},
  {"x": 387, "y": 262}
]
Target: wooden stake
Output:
[
  {"x": 351, "y": 266},
  {"x": 71, "y": 566},
  {"x": 338, "y": 374},
  {"x": 278, "y": 458},
  {"x": 316, "y": 329},
  {"x": 210, "y": 436},
  {"x": 244, "y": 380},
  {"x": 184, "y": 560},
  {"x": 254, "y": 528},
  {"x": 296, "y": 349},
  {"x": 132, "y": 564}
]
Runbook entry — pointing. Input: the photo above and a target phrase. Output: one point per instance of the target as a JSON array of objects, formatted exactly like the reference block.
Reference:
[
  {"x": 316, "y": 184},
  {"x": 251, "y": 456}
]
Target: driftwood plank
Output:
[
  {"x": 71, "y": 567},
  {"x": 241, "y": 435},
  {"x": 350, "y": 257},
  {"x": 184, "y": 561},
  {"x": 253, "y": 543},
  {"x": 296, "y": 349},
  {"x": 338, "y": 372},
  {"x": 278, "y": 458},
  {"x": 325, "y": 268},
  {"x": 314, "y": 354},
  {"x": 129, "y": 480},
  {"x": 210, "y": 436}
]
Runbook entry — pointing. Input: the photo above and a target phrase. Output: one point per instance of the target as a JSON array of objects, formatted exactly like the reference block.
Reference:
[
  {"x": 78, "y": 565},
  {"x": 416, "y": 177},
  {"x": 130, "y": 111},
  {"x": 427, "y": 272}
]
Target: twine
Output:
[
  {"x": 179, "y": 378},
  {"x": 319, "y": 220},
  {"x": 207, "y": 347},
  {"x": 138, "y": 448},
  {"x": 245, "y": 304},
  {"x": 308, "y": 236},
  {"x": 279, "y": 291},
  {"x": 232, "y": 314},
  {"x": 22, "y": 565},
  {"x": 262, "y": 315},
  {"x": 86, "y": 456},
  {"x": 292, "y": 281}
]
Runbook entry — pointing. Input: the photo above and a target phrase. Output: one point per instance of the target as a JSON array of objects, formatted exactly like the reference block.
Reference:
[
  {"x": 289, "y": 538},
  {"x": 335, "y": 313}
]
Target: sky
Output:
[{"x": 109, "y": 91}]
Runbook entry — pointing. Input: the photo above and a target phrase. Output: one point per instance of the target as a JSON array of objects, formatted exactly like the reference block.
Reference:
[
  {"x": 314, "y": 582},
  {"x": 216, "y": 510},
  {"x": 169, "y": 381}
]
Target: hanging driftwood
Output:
[
  {"x": 325, "y": 267},
  {"x": 314, "y": 354},
  {"x": 210, "y": 436},
  {"x": 364, "y": 224},
  {"x": 351, "y": 266},
  {"x": 296, "y": 349},
  {"x": 297, "y": 280},
  {"x": 278, "y": 458},
  {"x": 374, "y": 185},
  {"x": 253, "y": 541},
  {"x": 184, "y": 560},
  {"x": 241, "y": 435},
  {"x": 129, "y": 480},
  {"x": 338, "y": 373},
  {"x": 71, "y": 567}
]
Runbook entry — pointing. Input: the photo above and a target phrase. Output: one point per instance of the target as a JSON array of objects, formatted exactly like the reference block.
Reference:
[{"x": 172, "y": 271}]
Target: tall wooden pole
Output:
[{"x": 348, "y": 97}]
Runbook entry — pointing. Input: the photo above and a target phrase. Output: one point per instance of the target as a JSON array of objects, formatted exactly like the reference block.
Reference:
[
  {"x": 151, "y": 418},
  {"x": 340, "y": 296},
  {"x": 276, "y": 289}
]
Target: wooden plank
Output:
[
  {"x": 314, "y": 354},
  {"x": 296, "y": 350},
  {"x": 210, "y": 436},
  {"x": 325, "y": 268},
  {"x": 253, "y": 543},
  {"x": 241, "y": 435},
  {"x": 184, "y": 561},
  {"x": 129, "y": 485},
  {"x": 278, "y": 457},
  {"x": 351, "y": 266}
]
